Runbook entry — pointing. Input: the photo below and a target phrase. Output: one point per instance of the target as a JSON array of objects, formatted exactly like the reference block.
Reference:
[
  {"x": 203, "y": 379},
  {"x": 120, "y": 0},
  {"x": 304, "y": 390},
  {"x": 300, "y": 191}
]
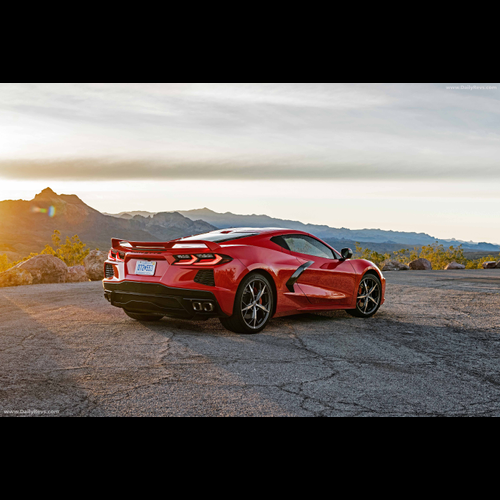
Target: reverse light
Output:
[{"x": 201, "y": 259}]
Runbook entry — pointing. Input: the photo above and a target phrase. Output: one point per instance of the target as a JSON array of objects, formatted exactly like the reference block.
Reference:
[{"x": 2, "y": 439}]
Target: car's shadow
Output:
[{"x": 214, "y": 327}]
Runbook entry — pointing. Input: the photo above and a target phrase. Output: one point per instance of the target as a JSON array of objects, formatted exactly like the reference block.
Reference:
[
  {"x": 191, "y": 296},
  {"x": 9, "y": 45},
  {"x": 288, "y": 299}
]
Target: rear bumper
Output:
[{"x": 155, "y": 298}]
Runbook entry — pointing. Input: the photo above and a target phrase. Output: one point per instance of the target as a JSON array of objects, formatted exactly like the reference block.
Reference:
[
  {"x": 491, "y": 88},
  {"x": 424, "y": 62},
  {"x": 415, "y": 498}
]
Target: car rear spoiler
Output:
[{"x": 158, "y": 246}]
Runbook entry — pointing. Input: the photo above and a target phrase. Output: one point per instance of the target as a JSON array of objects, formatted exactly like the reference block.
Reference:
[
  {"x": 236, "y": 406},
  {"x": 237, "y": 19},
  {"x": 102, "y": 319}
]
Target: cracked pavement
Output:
[{"x": 433, "y": 349}]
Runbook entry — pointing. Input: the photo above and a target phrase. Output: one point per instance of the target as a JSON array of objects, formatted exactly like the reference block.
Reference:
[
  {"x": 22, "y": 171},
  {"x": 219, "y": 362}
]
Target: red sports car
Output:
[{"x": 243, "y": 276}]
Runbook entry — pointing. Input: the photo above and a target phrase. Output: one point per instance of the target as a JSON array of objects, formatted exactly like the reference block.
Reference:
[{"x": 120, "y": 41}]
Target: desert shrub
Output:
[
  {"x": 371, "y": 255},
  {"x": 72, "y": 252},
  {"x": 4, "y": 263},
  {"x": 437, "y": 254},
  {"x": 440, "y": 257},
  {"x": 478, "y": 263}
]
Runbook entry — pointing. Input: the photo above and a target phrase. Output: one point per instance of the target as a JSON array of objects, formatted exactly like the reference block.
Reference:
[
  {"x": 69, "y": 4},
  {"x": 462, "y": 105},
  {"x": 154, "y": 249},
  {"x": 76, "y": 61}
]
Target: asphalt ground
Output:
[{"x": 433, "y": 349}]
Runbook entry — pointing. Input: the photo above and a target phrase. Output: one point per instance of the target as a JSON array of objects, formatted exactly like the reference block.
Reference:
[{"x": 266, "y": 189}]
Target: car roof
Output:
[
  {"x": 256, "y": 230},
  {"x": 228, "y": 235},
  {"x": 240, "y": 232},
  {"x": 248, "y": 230}
]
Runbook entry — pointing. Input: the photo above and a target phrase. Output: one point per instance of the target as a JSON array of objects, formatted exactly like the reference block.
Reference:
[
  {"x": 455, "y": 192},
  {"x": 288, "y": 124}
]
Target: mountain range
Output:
[
  {"x": 376, "y": 238},
  {"x": 27, "y": 226}
]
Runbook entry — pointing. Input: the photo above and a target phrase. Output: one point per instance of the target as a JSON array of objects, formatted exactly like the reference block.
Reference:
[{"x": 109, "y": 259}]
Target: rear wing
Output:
[{"x": 157, "y": 246}]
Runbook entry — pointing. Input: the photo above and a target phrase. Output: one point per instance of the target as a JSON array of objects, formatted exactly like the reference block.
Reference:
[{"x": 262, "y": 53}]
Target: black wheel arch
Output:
[{"x": 374, "y": 273}]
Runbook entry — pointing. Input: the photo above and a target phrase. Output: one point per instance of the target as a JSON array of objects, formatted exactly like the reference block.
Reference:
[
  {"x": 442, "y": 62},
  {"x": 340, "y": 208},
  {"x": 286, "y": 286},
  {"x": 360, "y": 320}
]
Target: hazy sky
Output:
[{"x": 415, "y": 157}]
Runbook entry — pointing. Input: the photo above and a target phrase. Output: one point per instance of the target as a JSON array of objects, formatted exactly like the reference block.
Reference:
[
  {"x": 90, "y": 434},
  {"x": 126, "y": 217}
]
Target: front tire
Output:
[
  {"x": 369, "y": 297},
  {"x": 253, "y": 305},
  {"x": 143, "y": 317}
]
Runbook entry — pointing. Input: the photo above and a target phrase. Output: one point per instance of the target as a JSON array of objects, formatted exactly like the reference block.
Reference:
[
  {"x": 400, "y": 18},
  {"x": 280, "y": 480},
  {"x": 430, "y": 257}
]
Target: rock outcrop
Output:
[
  {"x": 454, "y": 265},
  {"x": 490, "y": 265},
  {"x": 15, "y": 277},
  {"x": 94, "y": 265},
  {"x": 45, "y": 269},
  {"x": 393, "y": 265},
  {"x": 77, "y": 274},
  {"x": 420, "y": 265}
]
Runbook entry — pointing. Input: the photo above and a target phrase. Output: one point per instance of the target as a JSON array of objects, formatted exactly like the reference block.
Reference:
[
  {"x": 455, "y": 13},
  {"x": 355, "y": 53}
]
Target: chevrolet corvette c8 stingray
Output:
[{"x": 243, "y": 276}]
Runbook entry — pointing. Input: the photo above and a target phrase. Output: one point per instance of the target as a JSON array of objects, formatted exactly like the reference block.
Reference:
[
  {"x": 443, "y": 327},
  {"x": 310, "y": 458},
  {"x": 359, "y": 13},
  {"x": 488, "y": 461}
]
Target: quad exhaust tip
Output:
[{"x": 203, "y": 306}]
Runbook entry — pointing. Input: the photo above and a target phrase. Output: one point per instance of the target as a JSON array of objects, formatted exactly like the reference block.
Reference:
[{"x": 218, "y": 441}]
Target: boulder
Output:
[
  {"x": 94, "y": 265},
  {"x": 490, "y": 265},
  {"x": 393, "y": 265},
  {"x": 454, "y": 265},
  {"x": 45, "y": 269},
  {"x": 15, "y": 277},
  {"x": 420, "y": 265},
  {"x": 77, "y": 274}
]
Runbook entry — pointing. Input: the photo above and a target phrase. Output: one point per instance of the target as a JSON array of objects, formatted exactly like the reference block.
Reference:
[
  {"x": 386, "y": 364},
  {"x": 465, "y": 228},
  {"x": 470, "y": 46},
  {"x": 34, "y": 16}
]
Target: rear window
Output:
[{"x": 219, "y": 237}]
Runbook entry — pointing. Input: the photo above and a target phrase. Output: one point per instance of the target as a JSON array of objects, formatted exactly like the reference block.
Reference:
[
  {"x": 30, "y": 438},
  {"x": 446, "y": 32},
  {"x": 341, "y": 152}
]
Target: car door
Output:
[{"x": 326, "y": 279}]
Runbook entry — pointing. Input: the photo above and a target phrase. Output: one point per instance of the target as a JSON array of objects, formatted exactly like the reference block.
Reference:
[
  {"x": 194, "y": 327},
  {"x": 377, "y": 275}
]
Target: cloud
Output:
[
  {"x": 247, "y": 131},
  {"x": 293, "y": 168}
]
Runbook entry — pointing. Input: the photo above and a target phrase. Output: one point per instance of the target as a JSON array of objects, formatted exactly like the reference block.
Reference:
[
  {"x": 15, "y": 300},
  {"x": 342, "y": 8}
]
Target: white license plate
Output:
[{"x": 145, "y": 268}]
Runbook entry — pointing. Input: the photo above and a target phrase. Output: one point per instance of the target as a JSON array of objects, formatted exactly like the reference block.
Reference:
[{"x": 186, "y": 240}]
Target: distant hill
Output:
[
  {"x": 27, "y": 226},
  {"x": 376, "y": 239},
  {"x": 170, "y": 225},
  {"x": 130, "y": 215}
]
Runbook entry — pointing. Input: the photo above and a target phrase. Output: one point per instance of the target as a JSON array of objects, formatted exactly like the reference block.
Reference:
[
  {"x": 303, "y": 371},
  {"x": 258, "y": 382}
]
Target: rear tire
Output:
[
  {"x": 253, "y": 306},
  {"x": 143, "y": 317}
]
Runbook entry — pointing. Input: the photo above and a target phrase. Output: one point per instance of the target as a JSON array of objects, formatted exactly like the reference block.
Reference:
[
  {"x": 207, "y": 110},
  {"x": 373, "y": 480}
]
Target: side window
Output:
[
  {"x": 280, "y": 241},
  {"x": 308, "y": 246}
]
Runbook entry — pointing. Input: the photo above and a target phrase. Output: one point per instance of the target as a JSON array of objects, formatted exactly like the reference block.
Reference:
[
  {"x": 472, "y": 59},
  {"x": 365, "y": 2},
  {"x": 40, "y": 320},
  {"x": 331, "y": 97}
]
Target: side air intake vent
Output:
[
  {"x": 109, "y": 272},
  {"x": 205, "y": 277}
]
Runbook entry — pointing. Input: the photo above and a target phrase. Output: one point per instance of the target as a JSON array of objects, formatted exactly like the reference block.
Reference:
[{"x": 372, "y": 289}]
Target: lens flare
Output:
[{"x": 51, "y": 211}]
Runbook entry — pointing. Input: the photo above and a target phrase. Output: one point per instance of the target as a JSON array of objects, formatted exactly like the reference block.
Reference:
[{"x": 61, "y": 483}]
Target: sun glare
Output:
[{"x": 18, "y": 190}]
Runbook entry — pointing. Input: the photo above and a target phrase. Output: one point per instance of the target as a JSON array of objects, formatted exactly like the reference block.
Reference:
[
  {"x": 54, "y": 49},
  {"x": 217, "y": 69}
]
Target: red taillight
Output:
[
  {"x": 185, "y": 259},
  {"x": 201, "y": 259},
  {"x": 209, "y": 261},
  {"x": 115, "y": 255}
]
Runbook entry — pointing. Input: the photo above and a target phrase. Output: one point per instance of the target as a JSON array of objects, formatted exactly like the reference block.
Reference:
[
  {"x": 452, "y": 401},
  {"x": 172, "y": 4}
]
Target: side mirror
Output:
[{"x": 346, "y": 253}]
